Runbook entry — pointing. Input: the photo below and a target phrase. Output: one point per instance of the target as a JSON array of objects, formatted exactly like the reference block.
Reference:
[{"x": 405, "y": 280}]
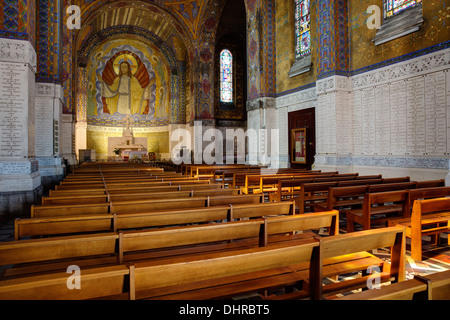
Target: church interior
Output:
[{"x": 241, "y": 150}]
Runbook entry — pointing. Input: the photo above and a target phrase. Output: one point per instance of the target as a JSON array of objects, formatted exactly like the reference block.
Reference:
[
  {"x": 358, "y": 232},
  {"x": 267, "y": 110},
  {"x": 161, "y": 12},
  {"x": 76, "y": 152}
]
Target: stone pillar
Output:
[
  {"x": 334, "y": 121},
  {"x": 67, "y": 140},
  {"x": 20, "y": 181},
  {"x": 80, "y": 136},
  {"x": 48, "y": 117},
  {"x": 262, "y": 124}
]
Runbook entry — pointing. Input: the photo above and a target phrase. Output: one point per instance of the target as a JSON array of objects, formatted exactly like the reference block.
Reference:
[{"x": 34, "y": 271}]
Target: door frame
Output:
[{"x": 310, "y": 136}]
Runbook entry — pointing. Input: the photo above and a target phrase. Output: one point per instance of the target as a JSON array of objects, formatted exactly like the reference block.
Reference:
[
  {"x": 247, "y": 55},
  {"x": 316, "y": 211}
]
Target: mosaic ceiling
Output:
[{"x": 161, "y": 17}]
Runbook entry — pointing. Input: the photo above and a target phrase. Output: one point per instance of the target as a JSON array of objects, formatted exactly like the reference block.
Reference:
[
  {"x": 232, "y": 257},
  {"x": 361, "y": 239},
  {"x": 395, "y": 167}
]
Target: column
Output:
[
  {"x": 20, "y": 180},
  {"x": 47, "y": 121}
]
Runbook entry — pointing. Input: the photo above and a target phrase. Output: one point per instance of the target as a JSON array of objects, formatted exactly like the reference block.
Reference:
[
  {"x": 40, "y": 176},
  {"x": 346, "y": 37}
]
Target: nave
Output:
[{"x": 157, "y": 231}]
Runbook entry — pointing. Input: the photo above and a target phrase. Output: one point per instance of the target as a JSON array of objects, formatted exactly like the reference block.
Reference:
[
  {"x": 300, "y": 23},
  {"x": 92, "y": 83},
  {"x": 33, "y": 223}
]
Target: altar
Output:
[
  {"x": 134, "y": 155},
  {"x": 127, "y": 144}
]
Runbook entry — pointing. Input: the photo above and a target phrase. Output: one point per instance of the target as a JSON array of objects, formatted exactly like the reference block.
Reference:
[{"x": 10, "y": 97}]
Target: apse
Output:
[{"x": 131, "y": 68}]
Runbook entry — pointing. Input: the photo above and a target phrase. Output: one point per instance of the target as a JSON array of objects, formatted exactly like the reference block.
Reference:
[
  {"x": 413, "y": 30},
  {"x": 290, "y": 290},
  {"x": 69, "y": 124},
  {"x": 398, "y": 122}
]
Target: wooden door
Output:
[{"x": 304, "y": 119}]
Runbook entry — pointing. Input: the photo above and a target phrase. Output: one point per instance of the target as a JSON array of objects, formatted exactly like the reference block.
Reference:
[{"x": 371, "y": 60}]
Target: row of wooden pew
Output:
[
  {"x": 359, "y": 199},
  {"x": 260, "y": 262},
  {"x": 363, "y": 200},
  {"x": 196, "y": 242}
]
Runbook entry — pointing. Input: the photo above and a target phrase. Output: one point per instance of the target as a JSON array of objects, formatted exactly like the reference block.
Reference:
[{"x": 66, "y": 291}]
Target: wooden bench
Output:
[
  {"x": 269, "y": 185},
  {"x": 344, "y": 197},
  {"x": 129, "y": 246},
  {"x": 42, "y": 211},
  {"x": 110, "y": 222},
  {"x": 130, "y": 184},
  {"x": 377, "y": 208},
  {"x": 170, "y": 204},
  {"x": 311, "y": 193},
  {"x": 240, "y": 179},
  {"x": 92, "y": 199},
  {"x": 236, "y": 177},
  {"x": 340, "y": 246},
  {"x": 349, "y": 194},
  {"x": 287, "y": 189},
  {"x": 421, "y": 194},
  {"x": 435, "y": 286},
  {"x": 200, "y": 275},
  {"x": 253, "y": 181},
  {"x": 123, "y": 190},
  {"x": 133, "y": 280},
  {"x": 338, "y": 255},
  {"x": 430, "y": 184},
  {"x": 428, "y": 218}
]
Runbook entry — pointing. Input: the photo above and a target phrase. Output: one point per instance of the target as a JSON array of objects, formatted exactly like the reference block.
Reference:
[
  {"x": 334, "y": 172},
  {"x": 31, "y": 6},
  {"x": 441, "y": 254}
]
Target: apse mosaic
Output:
[{"x": 127, "y": 80}]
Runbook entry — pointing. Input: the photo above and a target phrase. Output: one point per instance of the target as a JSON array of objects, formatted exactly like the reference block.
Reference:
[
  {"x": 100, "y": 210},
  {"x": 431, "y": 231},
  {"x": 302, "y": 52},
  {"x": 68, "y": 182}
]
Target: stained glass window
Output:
[
  {"x": 392, "y": 7},
  {"x": 226, "y": 76},
  {"x": 302, "y": 28}
]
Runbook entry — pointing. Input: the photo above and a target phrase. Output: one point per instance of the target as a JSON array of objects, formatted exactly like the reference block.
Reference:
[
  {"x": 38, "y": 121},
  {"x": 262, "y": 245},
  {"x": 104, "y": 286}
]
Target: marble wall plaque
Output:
[
  {"x": 44, "y": 126},
  {"x": 13, "y": 110}
]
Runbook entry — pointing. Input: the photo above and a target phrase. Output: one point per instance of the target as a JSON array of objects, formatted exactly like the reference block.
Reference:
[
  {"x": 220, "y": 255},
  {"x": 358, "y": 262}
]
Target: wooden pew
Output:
[
  {"x": 241, "y": 180},
  {"x": 253, "y": 181},
  {"x": 429, "y": 218},
  {"x": 133, "y": 196},
  {"x": 130, "y": 184},
  {"x": 430, "y": 184},
  {"x": 155, "y": 205},
  {"x": 41, "y": 211},
  {"x": 174, "y": 195},
  {"x": 421, "y": 194},
  {"x": 80, "y": 199},
  {"x": 349, "y": 194},
  {"x": 203, "y": 272},
  {"x": 376, "y": 204},
  {"x": 110, "y": 222},
  {"x": 293, "y": 188},
  {"x": 351, "y": 243},
  {"x": 323, "y": 263},
  {"x": 123, "y": 190},
  {"x": 435, "y": 286},
  {"x": 134, "y": 245},
  {"x": 269, "y": 185},
  {"x": 344, "y": 197},
  {"x": 311, "y": 193},
  {"x": 260, "y": 230},
  {"x": 96, "y": 283},
  {"x": 134, "y": 280},
  {"x": 391, "y": 187}
]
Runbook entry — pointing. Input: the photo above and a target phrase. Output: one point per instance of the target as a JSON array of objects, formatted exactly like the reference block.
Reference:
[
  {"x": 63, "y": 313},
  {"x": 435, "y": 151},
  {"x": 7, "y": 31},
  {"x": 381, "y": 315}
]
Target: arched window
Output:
[
  {"x": 393, "y": 7},
  {"x": 226, "y": 76},
  {"x": 401, "y": 17},
  {"x": 302, "y": 28}
]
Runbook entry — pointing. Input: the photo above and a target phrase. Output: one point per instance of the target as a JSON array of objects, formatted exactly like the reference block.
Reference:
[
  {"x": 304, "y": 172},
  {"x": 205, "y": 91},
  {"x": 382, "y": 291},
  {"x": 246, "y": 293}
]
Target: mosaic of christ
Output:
[{"x": 126, "y": 86}]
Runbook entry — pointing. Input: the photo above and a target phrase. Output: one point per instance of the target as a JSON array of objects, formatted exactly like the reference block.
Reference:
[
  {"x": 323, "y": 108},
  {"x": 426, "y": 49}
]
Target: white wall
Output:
[{"x": 393, "y": 120}]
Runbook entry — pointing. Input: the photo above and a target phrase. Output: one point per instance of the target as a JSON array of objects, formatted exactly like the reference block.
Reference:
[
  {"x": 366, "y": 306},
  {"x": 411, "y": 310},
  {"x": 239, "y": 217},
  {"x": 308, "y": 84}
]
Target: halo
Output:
[{"x": 128, "y": 58}]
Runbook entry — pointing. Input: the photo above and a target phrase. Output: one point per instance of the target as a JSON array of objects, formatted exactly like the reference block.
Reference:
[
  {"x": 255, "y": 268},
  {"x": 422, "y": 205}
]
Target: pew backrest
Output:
[{"x": 366, "y": 240}]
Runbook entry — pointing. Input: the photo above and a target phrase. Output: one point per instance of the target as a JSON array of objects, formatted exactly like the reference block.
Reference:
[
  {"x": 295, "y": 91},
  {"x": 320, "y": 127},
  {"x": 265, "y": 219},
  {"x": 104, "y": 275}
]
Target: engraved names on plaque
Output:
[
  {"x": 408, "y": 117},
  {"x": 436, "y": 117},
  {"x": 13, "y": 110},
  {"x": 44, "y": 126}
]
